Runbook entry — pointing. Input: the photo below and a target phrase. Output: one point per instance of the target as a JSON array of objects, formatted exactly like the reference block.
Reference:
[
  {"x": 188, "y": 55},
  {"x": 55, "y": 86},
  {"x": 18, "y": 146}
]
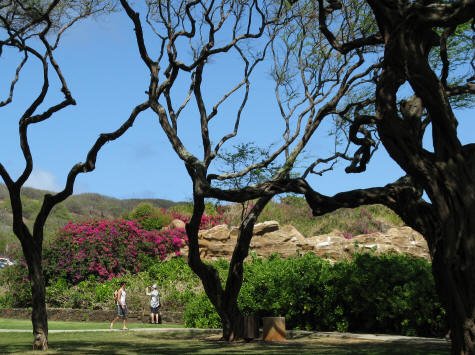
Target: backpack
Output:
[{"x": 116, "y": 296}]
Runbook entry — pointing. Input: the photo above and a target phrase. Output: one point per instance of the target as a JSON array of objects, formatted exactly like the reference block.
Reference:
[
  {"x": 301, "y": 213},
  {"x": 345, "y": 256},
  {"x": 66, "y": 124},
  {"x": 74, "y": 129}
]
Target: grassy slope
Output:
[{"x": 295, "y": 211}]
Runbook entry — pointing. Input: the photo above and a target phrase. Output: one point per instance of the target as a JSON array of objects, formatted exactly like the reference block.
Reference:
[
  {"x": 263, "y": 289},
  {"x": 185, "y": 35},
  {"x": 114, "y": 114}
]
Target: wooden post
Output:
[{"x": 251, "y": 327}]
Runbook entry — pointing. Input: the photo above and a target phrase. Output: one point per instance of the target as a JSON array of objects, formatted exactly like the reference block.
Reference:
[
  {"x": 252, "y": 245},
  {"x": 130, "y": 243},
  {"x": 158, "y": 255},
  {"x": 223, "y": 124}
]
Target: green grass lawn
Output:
[
  {"x": 58, "y": 325},
  {"x": 130, "y": 342}
]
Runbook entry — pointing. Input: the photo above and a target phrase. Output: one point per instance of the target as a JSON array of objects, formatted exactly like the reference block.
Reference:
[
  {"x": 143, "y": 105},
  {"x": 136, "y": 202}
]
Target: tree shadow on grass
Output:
[{"x": 166, "y": 343}]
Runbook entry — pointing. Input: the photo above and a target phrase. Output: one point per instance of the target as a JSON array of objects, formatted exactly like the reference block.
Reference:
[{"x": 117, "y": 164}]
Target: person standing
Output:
[
  {"x": 121, "y": 307},
  {"x": 154, "y": 303}
]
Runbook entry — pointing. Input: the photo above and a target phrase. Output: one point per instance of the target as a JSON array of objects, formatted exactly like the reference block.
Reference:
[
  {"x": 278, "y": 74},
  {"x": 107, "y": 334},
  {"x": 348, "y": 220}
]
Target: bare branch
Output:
[
  {"x": 443, "y": 55},
  {"x": 135, "y": 17},
  {"x": 468, "y": 88},
  {"x": 344, "y": 48},
  {"x": 443, "y": 14},
  {"x": 14, "y": 81}
]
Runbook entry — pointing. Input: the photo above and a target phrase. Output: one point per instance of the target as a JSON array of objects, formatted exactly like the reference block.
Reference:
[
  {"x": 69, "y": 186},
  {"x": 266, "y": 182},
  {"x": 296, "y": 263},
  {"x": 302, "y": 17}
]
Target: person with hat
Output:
[{"x": 154, "y": 303}]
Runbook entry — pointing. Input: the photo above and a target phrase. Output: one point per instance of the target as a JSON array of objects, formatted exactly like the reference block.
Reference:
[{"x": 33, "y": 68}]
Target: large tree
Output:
[
  {"x": 420, "y": 37},
  {"x": 287, "y": 43},
  {"x": 31, "y": 31},
  {"x": 410, "y": 103}
]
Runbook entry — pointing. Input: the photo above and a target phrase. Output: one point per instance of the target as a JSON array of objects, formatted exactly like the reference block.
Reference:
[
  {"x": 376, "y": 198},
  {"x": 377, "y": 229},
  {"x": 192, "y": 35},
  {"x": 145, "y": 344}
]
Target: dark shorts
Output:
[
  {"x": 154, "y": 310},
  {"x": 121, "y": 311}
]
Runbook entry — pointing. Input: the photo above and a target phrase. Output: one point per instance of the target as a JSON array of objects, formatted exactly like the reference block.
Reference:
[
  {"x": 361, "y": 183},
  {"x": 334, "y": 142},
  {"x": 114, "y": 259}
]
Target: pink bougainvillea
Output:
[{"x": 106, "y": 249}]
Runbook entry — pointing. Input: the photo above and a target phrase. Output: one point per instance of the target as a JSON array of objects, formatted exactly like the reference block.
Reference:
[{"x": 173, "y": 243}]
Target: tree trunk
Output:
[
  {"x": 455, "y": 285},
  {"x": 39, "y": 317},
  {"x": 233, "y": 324},
  {"x": 453, "y": 266},
  {"x": 451, "y": 239},
  {"x": 224, "y": 301},
  {"x": 447, "y": 175},
  {"x": 233, "y": 320}
]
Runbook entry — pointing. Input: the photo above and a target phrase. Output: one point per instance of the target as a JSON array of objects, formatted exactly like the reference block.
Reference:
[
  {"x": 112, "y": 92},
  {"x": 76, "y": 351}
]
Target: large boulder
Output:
[
  {"x": 214, "y": 243},
  {"x": 265, "y": 227},
  {"x": 269, "y": 237},
  {"x": 218, "y": 233},
  {"x": 335, "y": 246},
  {"x": 176, "y": 223}
]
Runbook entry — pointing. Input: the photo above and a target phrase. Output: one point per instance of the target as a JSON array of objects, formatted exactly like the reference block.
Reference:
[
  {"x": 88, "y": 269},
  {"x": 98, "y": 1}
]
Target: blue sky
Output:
[{"x": 107, "y": 78}]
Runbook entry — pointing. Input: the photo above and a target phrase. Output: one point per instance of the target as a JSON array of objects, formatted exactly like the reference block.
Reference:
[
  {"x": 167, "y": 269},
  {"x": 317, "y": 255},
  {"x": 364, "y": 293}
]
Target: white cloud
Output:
[{"x": 43, "y": 180}]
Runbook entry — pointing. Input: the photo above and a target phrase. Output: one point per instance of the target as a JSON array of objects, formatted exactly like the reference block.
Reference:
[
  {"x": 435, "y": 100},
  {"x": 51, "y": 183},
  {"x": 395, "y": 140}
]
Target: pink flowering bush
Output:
[{"x": 103, "y": 249}]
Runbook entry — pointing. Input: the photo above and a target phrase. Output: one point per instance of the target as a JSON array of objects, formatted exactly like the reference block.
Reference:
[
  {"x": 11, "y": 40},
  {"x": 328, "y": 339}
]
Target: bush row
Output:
[
  {"x": 389, "y": 293},
  {"x": 177, "y": 285}
]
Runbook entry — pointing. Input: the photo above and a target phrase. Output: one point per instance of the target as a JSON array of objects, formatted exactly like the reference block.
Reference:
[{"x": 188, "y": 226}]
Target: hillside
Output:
[
  {"x": 75, "y": 208},
  {"x": 289, "y": 210}
]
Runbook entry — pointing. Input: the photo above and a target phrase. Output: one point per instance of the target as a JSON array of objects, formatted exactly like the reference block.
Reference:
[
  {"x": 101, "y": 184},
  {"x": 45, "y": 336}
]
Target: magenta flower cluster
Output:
[{"x": 106, "y": 249}]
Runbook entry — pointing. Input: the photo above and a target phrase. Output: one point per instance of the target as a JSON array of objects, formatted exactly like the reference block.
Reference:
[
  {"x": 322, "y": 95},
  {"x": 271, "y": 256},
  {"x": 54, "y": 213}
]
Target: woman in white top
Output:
[
  {"x": 121, "y": 307},
  {"x": 154, "y": 303}
]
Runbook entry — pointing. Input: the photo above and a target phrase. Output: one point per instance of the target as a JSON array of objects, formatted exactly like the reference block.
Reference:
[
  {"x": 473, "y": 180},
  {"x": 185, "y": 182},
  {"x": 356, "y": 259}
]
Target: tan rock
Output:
[
  {"x": 234, "y": 232},
  {"x": 290, "y": 233},
  {"x": 288, "y": 241},
  {"x": 203, "y": 243},
  {"x": 177, "y": 223},
  {"x": 221, "y": 250},
  {"x": 265, "y": 227},
  {"x": 220, "y": 232}
]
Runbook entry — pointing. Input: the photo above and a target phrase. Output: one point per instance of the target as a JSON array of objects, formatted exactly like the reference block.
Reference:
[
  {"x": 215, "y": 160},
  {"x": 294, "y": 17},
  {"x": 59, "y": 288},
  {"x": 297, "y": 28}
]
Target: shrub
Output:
[
  {"x": 294, "y": 288},
  {"x": 391, "y": 293},
  {"x": 186, "y": 209},
  {"x": 200, "y": 313},
  {"x": 105, "y": 249},
  {"x": 149, "y": 217},
  {"x": 14, "y": 280},
  {"x": 175, "y": 270}
]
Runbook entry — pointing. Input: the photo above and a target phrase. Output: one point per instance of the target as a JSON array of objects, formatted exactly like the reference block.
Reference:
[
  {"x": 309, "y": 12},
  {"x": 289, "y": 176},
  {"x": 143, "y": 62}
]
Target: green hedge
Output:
[{"x": 391, "y": 293}]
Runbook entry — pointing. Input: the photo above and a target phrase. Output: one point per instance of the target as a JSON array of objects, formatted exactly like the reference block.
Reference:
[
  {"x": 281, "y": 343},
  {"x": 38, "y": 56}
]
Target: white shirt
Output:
[
  {"x": 154, "y": 302},
  {"x": 122, "y": 298}
]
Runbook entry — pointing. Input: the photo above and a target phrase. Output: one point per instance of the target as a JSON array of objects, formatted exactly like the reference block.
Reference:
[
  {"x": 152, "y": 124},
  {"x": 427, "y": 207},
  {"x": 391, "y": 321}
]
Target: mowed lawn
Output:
[
  {"x": 150, "y": 342},
  {"x": 58, "y": 325}
]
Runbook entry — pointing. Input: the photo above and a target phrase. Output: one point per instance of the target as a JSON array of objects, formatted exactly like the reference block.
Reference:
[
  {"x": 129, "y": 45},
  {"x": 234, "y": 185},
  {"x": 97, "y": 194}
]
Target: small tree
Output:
[
  {"x": 149, "y": 217},
  {"x": 34, "y": 29},
  {"x": 242, "y": 156}
]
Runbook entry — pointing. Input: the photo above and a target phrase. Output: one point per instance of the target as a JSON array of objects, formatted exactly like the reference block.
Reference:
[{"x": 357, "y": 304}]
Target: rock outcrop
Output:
[
  {"x": 176, "y": 223},
  {"x": 269, "y": 237}
]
